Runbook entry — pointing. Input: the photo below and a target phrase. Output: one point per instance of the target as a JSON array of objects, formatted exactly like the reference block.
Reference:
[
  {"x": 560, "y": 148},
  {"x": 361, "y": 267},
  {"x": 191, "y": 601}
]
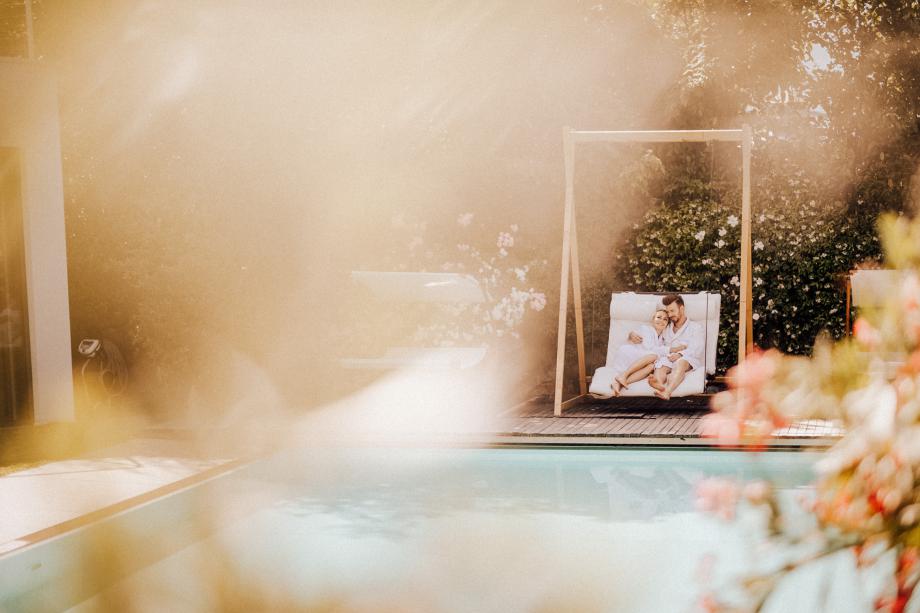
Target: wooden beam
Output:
[
  {"x": 569, "y": 149},
  {"x": 30, "y": 37},
  {"x": 658, "y": 136},
  {"x": 571, "y": 402},
  {"x": 576, "y": 293},
  {"x": 745, "y": 321}
]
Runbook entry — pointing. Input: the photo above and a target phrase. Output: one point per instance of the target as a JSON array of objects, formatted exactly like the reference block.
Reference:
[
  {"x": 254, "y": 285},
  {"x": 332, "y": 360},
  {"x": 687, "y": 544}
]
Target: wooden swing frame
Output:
[{"x": 572, "y": 137}]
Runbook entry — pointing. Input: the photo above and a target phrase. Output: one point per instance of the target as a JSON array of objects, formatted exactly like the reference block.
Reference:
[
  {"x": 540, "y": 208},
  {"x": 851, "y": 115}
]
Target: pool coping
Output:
[{"x": 18, "y": 544}]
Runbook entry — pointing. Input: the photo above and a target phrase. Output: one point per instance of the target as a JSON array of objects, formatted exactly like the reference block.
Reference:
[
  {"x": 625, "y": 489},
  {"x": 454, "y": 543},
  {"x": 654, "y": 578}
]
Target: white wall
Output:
[{"x": 29, "y": 122}]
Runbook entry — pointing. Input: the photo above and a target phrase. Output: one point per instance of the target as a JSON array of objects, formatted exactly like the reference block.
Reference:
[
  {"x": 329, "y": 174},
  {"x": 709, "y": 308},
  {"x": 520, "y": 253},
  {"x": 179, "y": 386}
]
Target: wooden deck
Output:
[{"x": 637, "y": 421}]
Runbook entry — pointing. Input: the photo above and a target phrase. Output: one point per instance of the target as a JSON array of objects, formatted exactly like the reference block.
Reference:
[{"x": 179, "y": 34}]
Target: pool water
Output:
[{"x": 472, "y": 530}]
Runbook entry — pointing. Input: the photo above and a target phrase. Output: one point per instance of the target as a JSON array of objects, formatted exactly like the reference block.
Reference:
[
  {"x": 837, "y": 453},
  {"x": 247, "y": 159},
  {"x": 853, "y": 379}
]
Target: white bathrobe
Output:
[
  {"x": 628, "y": 353},
  {"x": 690, "y": 334}
]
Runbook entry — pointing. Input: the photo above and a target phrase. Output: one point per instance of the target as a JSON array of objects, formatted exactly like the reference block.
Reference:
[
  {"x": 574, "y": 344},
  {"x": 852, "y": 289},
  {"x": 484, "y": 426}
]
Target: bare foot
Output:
[
  {"x": 663, "y": 394},
  {"x": 614, "y": 391},
  {"x": 616, "y": 386},
  {"x": 656, "y": 385},
  {"x": 619, "y": 379}
]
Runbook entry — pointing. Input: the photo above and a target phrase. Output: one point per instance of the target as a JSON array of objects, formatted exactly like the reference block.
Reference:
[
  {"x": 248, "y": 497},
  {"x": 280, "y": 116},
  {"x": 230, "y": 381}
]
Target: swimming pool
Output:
[{"x": 504, "y": 529}]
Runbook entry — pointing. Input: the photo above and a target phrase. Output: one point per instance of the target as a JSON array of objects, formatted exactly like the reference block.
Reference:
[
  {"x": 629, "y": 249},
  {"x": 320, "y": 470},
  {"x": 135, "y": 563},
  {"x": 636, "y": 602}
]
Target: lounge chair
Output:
[
  {"x": 419, "y": 287},
  {"x": 629, "y": 310}
]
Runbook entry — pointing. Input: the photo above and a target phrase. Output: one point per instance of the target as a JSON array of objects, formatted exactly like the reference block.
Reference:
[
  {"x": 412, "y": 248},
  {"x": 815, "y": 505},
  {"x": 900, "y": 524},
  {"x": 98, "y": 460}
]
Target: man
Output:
[{"x": 685, "y": 339}]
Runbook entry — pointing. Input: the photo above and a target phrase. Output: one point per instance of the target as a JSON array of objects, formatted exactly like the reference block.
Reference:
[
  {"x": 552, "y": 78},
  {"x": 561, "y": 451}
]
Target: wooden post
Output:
[
  {"x": 745, "y": 318},
  {"x": 30, "y": 38},
  {"x": 569, "y": 148},
  {"x": 570, "y": 240},
  {"x": 849, "y": 290},
  {"x": 576, "y": 294}
]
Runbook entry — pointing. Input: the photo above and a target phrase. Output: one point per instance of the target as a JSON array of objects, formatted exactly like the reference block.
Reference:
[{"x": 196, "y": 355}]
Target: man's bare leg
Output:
[
  {"x": 657, "y": 378},
  {"x": 676, "y": 377}
]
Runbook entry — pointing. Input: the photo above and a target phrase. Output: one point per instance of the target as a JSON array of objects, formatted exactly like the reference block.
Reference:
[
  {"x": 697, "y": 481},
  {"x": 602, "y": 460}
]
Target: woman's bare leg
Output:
[
  {"x": 640, "y": 374},
  {"x": 626, "y": 377}
]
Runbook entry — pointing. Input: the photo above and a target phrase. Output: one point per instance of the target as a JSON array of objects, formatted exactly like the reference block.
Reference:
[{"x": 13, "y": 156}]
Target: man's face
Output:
[{"x": 674, "y": 312}]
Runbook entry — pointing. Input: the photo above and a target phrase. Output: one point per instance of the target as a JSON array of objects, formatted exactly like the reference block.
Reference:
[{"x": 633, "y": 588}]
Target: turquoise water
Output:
[{"x": 476, "y": 530}]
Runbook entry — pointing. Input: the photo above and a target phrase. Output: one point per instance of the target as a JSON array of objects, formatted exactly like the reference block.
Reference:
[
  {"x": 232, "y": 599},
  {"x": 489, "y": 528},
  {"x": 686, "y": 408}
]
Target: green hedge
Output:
[{"x": 802, "y": 247}]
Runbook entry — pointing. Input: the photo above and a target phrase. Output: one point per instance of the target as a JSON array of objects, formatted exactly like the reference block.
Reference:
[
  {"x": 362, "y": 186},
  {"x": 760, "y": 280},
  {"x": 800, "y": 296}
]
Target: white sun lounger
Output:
[
  {"x": 629, "y": 310},
  {"x": 424, "y": 287}
]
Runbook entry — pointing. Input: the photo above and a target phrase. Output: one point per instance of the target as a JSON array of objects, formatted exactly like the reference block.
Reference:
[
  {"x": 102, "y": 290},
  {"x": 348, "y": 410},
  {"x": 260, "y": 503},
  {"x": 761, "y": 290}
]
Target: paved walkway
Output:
[{"x": 40, "y": 498}]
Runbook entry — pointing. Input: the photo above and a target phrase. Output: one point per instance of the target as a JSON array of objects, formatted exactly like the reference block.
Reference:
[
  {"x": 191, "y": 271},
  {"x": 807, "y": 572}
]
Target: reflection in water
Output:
[
  {"x": 389, "y": 492},
  {"x": 472, "y": 530}
]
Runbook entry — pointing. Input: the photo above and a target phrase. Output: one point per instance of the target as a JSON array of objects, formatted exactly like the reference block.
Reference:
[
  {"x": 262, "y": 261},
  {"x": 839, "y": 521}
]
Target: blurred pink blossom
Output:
[
  {"x": 865, "y": 334},
  {"x": 718, "y": 496}
]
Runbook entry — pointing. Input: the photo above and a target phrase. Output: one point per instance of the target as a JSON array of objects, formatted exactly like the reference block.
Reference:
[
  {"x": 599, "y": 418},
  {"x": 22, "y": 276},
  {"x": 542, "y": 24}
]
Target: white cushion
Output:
[
  {"x": 693, "y": 383},
  {"x": 420, "y": 286}
]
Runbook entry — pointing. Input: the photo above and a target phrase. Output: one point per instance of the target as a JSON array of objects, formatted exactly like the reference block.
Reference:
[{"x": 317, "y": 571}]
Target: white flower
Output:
[
  {"x": 514, "y": 227},
  {"x": 720, "y": 243},
  {"x": 502, "y": 252},
  {"x": 537, "y": 301},
  {"x": 758, "y": 245},
  {"x": 722, "y": 231},
  {"x": 465, "y": 219},
  {"x": 505, "y": 240},
  {"x": 755, "y": 316},
  {"x": 700, "y": 235},
  {"x": 732, "y": 221},
  {"x": 496, "y": 312}
]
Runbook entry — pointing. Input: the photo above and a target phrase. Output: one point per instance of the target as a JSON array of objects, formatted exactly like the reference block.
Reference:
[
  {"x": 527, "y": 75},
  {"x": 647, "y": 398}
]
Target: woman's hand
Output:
[
  {"x": 634, "y": 338},
  {"x": 678, "y": 347}
]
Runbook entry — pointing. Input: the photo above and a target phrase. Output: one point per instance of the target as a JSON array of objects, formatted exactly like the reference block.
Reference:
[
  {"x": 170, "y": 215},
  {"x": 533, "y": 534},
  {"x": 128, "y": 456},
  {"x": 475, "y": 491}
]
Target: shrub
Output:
[{"x": 801, "y": 248}]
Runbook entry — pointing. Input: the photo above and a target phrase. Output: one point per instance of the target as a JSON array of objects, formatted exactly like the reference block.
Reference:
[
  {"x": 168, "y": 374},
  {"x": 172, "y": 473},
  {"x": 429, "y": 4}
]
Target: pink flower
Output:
[
  {"x": 757, "y": 492},
  {"x": 756, "y": 370},
  {"x": 726, "y": 430},
  {"x": 865, "y": 334},
  {"x": 718, "y": 496}
]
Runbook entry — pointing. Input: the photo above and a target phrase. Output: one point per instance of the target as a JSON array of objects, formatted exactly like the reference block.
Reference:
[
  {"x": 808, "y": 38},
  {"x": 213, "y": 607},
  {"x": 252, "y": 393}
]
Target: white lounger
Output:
[
  {"x": 629, "y": 310},
  {"x": 422, "y": 287}
]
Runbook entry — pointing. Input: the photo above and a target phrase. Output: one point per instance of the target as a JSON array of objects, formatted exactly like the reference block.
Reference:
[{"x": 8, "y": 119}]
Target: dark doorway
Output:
[{"x": 15, "y": 361}]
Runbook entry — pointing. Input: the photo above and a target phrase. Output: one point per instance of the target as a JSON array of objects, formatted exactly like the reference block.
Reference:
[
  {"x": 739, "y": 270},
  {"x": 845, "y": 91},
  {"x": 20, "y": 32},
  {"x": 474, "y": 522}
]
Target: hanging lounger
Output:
[{"x": 629, "y": 310}]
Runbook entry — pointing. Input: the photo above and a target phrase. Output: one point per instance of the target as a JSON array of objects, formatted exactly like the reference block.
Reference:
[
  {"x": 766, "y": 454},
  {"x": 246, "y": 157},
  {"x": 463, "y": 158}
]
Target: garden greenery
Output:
[{"x": 802, "y": 248}]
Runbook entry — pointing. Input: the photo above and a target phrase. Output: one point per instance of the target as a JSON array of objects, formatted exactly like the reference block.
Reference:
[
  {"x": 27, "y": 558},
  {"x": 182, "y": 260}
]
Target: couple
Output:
[{"x": 662, "y": 353}]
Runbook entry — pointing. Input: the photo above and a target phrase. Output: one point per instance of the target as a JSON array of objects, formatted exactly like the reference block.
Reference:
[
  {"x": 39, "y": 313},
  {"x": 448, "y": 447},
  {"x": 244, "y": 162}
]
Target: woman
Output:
[{"x": 632, "y": 361}]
